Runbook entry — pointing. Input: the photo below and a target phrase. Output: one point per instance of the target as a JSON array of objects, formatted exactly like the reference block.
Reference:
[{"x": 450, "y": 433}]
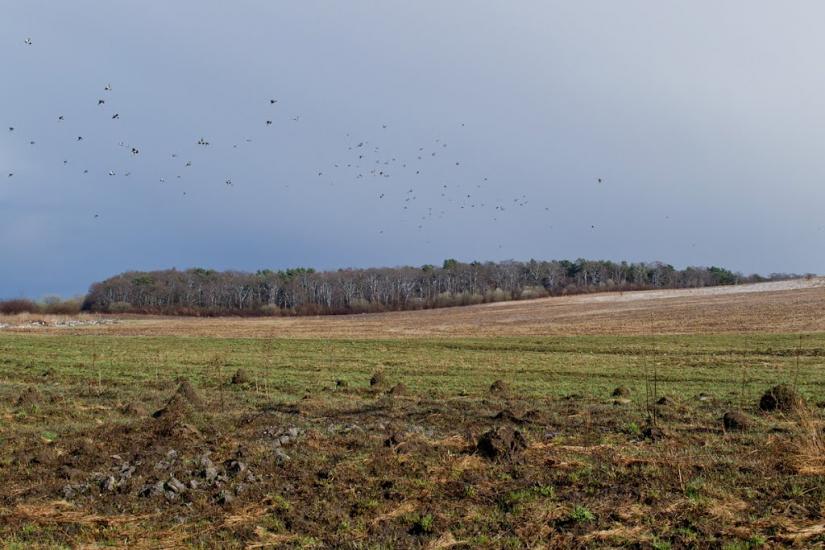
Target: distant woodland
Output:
[{"x": 302, "y": 291}]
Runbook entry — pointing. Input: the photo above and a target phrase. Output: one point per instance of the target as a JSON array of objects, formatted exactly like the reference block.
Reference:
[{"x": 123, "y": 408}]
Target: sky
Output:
[{"x": 690, "y": 133}]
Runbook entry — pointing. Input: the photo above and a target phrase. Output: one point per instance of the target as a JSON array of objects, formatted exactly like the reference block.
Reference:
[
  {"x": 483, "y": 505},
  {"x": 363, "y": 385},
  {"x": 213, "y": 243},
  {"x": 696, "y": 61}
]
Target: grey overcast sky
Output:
[{"x": 704, "y": 120}]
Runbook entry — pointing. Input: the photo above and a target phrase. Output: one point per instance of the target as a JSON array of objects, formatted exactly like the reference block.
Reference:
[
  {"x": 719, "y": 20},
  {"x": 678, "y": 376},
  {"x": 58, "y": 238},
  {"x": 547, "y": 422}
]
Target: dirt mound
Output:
[
  {"x": 187, "y": 391},
  {"x": 665, "y": 401},
  {"x": 781, "y": 398},
  {"x": 621, "y": 391},
  {"x": 501, "y": 443},
  {"x": 653, "y": 433},
  {"x": 177, "y": 408},
  {"x": 507, "y": 415},
  {"x": 736, "y": 421},
  {"x": 29, "y": 397},
  {"x": 241, "y": 377},
  {"x": 133, "y": 409},
  {"x": 398, "y": 389},
  {"x": 378, "y": 379},
  {"x": 500, "y": 387}
]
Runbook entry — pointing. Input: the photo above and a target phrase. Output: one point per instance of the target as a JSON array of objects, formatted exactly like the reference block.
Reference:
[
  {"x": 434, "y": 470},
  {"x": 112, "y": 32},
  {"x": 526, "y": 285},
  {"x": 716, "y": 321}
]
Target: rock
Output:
[
  {"x": 501, "y": 443},
  {"x": 240, "y": 377},
  {"x": 735, "y": 421},
  {"x": 174, "y": 485},
  {"x": 108, "y": 484},
  {"x": 283, "y": 440},
  {"x": 152, "y": 490},
  {"x": 210, "y": 474},
  {"x": 621, "y": 391},
  {"x": 781, "y": 398},
  {"x": 281, "y": 457},
  {"x": 235, "y": 467},
  {"x": 293, "y": 432},
  {"x": 224, "y": 497}
]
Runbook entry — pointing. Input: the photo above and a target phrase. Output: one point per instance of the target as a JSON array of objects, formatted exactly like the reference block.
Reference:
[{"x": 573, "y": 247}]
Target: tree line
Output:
[{"x": 304, "y": 291}]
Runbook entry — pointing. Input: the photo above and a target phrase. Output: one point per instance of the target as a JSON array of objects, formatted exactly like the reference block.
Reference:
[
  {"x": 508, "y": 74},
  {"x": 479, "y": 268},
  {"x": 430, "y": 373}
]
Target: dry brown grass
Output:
[{"x": 790, "y": 306}]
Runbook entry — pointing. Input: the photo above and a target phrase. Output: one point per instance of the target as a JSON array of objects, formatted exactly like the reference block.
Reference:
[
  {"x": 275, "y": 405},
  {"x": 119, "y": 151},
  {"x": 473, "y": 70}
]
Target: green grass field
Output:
[
  {"x": 377, "y": 469},
  {"x": 535, "y": 367}
]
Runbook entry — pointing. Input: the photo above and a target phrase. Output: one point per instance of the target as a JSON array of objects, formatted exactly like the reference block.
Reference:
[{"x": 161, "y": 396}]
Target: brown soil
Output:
[
  {"x": 501, "y": 443},
  {"x": 781, "y": 398},
  {"x": 736, "y": 421},
  {"x": 241, "y": 377}
]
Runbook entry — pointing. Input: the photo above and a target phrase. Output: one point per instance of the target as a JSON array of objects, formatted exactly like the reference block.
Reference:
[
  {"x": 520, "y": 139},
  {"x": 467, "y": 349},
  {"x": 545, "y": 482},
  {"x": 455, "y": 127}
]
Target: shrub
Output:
[{"x": 13, "y": 307}]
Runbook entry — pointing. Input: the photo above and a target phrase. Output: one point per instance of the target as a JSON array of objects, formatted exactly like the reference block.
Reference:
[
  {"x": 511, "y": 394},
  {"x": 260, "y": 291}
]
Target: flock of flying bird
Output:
[{"x": 362, "y": 160}]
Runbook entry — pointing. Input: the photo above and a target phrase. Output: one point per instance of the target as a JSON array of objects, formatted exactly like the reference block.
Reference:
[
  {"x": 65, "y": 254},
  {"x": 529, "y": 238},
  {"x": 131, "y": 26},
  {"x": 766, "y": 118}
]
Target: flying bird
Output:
[
  {"x": 101, "y": 101},
  {"x": 27, "y": 42},
  {"x": 108, "y": 87},
  {"x": 115, "y": 116}
]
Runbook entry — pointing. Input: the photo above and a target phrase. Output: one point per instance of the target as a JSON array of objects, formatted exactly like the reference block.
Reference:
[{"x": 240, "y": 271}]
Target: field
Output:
[{"x": 589, "y": 421}]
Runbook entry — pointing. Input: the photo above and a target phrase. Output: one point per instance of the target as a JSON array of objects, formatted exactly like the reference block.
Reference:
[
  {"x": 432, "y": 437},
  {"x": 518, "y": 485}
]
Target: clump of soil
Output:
[
  {"x": 653, "y": 433},
  {"x": 501, "y": 443},
  {"x": 133, "y": 409},
  {"x": 177, "y": 407},
  {"x": 378, "y": 379},
  {"x": 181, "y": 405},
  {"x": 398, "y": 389},
  {"x": 665, "y": 401},
  {"x": 499, "y": 387},
  {"x": 241, "y": 377},
  {"x": 781, "y": 398},
  {"x": 341, "y": 383},
  {"x": 508, "y": 416},
  {"x": 187, "y": 391},
  {"x": 736, "y": 421},
  {"x": 621, "y": 391},
  {"x": 29, "y": 397}
]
